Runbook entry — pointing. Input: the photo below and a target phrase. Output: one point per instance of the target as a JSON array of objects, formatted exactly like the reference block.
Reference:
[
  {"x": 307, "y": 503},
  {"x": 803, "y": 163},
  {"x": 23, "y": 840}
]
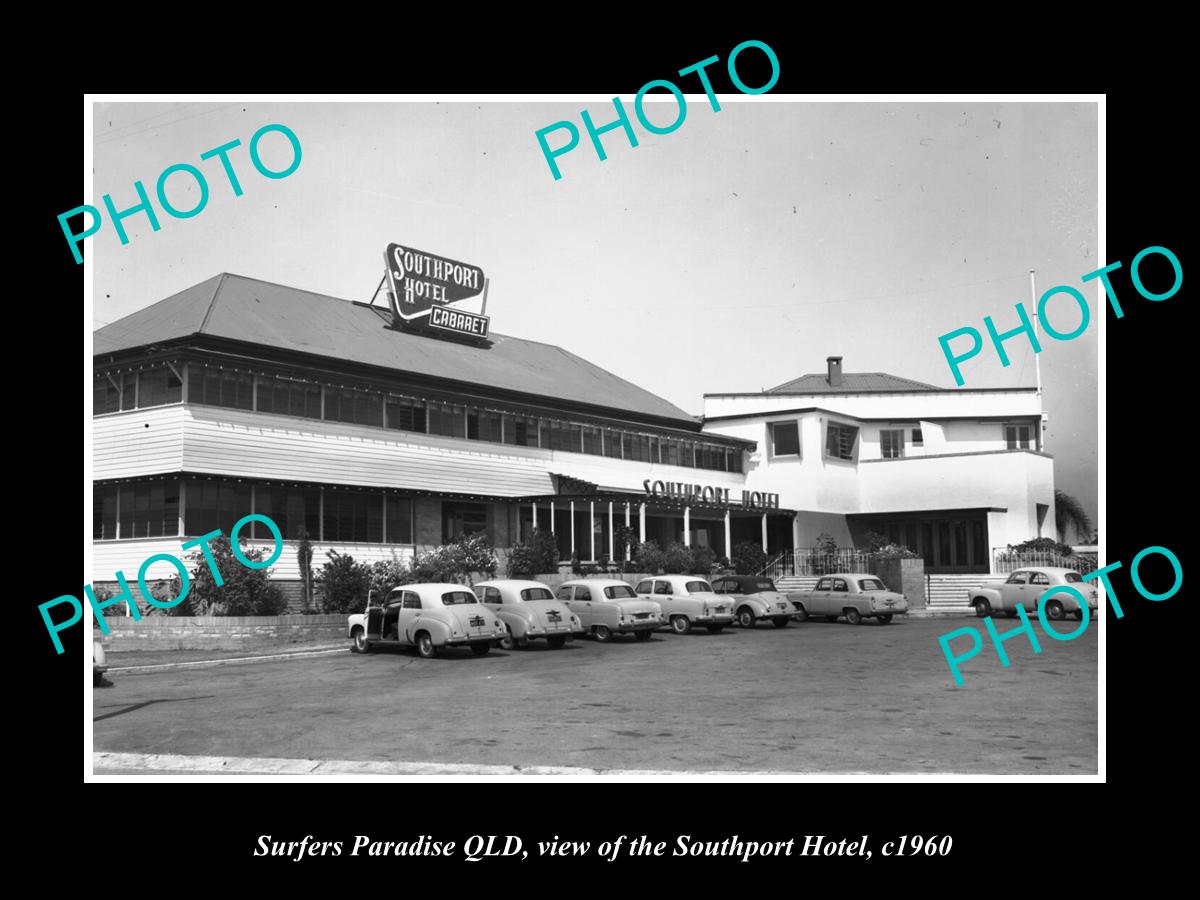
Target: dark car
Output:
[{"x": 755, "y": 598}]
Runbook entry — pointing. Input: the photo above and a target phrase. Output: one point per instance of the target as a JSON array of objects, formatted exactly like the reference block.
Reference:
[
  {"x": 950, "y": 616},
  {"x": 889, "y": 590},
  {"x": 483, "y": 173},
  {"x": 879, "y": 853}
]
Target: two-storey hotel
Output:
[{"x": 329, "y": 416}]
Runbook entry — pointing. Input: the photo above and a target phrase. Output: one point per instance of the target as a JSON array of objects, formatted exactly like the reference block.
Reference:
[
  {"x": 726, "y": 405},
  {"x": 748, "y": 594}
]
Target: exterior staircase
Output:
[{"x": 950, "y": 593}]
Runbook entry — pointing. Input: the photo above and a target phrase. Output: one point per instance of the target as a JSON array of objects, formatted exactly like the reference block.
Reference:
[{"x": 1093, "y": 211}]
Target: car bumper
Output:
[
  {"x": 473, "y": 639},
  {"x": 639, "y": 625},
  {"x": 534, "y": 634},
  {"x": 716, "y": 619},
  {"x": 888, "y": 612}
]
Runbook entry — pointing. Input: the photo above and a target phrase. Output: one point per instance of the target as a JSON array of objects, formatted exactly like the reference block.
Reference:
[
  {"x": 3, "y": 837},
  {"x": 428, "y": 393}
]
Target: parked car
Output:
[
  {"x": 606, "y": 607},
  {"x": 529, "y": 612},
  {"x": 99, "y": 665},
  {"x": 856, "y": 596},
  {"x": 755, "y": 598},
  {"x": 687, "y": 600},
  {"x": 1026, "y": 586},
  {"x": 428, "y": 617}
]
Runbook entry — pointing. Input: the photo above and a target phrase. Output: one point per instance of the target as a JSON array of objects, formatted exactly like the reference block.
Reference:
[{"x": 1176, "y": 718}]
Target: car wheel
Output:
[
  {"x": 425, "y": 648},
  {"x": 714, "y": 629},
  {"x": 885, "y": 618},
  {"x": 983, "y": 609},
  {"x": 1011, "y": 613},
  {"x": 557, "y": 641},
  {"x": 1055, "y": 610},
  {"x": 800, "y": 614},
  {"x": 644, "y": 635},
  {"x": 508, "y": 642},
  {"x": 602, "y": 633},
  {"x": 361, "y": 644},
  {"x": 745, "y": 617},
  {"x": 780, "y": 622},
  {"x": 681, "y": 624},
  {"x": 481, "y": 649},
  {"x": 853, "y": 616}
]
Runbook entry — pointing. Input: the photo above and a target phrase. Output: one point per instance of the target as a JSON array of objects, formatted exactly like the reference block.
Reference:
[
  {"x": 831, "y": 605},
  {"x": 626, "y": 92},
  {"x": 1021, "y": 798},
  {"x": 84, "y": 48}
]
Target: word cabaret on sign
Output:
[{"x": 422, "y": 286}]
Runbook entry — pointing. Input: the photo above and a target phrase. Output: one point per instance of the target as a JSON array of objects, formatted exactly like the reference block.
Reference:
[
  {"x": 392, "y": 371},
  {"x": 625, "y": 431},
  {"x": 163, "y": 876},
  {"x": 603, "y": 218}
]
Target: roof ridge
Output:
[{"x": 212, "y": 301}]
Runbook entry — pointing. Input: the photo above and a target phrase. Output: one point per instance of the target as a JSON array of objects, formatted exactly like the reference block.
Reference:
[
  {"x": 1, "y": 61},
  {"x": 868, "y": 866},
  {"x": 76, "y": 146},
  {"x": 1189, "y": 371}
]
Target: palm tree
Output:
[{"x": 1069, "y": 512}]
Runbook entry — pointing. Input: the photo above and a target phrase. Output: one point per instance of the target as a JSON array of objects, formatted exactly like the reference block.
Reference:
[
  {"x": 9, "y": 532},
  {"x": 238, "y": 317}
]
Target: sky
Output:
[{"x": 734, "y": 254}]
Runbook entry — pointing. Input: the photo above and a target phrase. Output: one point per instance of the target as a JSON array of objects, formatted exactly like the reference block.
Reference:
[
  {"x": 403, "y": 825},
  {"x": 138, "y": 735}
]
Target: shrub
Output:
[
  {"x": 748, "y": 558},
  {"x": 343, "y": 584},
  {"x": 1042, "y": 545},
  {"x": 894, "y": 551},
  {"x": 648, "y": 558},
  {"x": 702, "y": 562},
  {"x": 826, "y": 543},
  {"x": 677, "y": 559},
  {"x": 536, "y": 556},
  {"x": 245, "y": 592},
  {"x": 386, "y": 574},
  {"x": 453, "y": 562}
]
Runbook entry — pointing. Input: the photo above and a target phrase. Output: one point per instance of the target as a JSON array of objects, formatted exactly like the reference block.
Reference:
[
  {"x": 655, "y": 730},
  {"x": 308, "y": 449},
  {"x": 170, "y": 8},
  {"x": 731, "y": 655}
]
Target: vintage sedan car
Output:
[
  {"x": 687, "y": 600},
  {"x": 608, "y": 607},
  {"x": 1026, "y": 586},
  {"x": 529, "y": 611},
  {"x": 856, "y": 596},
  {"x": 428, "y": 617},
  {"x": 755, "y": 598}
]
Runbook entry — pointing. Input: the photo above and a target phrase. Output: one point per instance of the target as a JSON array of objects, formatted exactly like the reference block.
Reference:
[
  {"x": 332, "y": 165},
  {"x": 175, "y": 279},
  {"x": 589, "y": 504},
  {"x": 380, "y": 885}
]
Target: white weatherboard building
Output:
[
  {"x": 951, "y": 473},
  {"x": 239, "y": 396}
]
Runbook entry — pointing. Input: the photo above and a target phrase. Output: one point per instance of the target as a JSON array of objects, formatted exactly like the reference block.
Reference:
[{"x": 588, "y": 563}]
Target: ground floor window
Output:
[{"x": 462, "y": 520}]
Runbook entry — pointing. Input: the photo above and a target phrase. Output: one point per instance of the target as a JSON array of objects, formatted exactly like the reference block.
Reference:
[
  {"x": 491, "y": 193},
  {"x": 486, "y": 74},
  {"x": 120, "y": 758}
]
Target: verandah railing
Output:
[
  {"x": 812, "y": 561},
  {"x": 1005, "y": 561}
]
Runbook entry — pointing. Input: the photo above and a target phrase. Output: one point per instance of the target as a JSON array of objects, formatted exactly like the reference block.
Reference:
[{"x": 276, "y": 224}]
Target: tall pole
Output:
[{"x": 1037, "y": 364}]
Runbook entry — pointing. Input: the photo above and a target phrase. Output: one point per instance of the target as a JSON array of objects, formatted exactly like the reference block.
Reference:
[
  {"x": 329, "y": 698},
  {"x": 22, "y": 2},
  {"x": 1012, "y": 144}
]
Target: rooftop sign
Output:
[{"x": 422, "y": 286}]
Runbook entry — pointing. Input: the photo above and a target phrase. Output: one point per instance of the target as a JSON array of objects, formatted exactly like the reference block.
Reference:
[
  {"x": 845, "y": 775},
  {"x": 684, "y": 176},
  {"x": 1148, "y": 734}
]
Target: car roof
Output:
[
  {"x": 595, "y": 582},
  {"x": 743, "y": 579},
  {"x": 517, "y": 584},
  {"x": 430, "y": 587},
  {"x": 674, "y": 578},
  {"x": 1045, "y": 569},
  {"x": 852, "y": 575}
]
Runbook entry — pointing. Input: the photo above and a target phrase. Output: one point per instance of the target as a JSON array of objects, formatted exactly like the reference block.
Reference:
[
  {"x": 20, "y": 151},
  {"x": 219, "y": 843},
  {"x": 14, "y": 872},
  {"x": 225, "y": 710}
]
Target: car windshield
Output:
[
  {"x": 763, "y": 586},
  {"x": 457, "y": 598},
  {"x": 698, "y": 587},
  {"x": 871, "y": 584},
  {"x": 619, "y": 592},
  {"x": 536, "y": 594},
  {"x": 1072, "y": 578}
]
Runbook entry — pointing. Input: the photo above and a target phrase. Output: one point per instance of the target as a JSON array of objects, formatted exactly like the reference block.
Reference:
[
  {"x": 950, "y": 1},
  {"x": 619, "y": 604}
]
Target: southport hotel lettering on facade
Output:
[{"x": 376, "y": 431}]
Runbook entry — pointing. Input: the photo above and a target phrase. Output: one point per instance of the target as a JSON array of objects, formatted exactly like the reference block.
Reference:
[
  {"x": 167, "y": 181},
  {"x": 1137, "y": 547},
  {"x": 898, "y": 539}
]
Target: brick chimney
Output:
[{"x": 835, "y": 371}]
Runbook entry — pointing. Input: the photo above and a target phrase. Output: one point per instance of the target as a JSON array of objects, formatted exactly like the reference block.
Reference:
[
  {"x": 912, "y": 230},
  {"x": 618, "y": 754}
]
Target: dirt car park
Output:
[{"x": 811, "y": 697}]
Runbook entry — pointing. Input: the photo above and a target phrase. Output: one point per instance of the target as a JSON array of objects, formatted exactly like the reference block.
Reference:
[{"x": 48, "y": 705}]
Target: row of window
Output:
[
  {"x": 240, "y": 390},
  {"x": 840, "y": 439},
  {"x": 152, "y": 509}
]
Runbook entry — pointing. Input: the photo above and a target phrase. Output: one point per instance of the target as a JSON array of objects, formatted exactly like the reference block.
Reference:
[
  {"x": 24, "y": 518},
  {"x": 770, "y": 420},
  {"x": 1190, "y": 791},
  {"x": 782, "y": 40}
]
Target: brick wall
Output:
[
  {"x": 251, "y": 633},
  {"x": 904, "y": 576}
]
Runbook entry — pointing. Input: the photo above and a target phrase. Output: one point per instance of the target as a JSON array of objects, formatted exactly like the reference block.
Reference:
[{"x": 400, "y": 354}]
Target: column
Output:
[
  {"x": 534, "y": 505},
  {"x": 610, "y": 531},
  {"x": 628, "y": 550},
  {"x": 728, "y": 538},
  {"x": 552, "y": 517},
  {"x": 795, "y": 539},
  {"x": 687, "y": 525},
  {"x": 572, "y": 527},
  {"x": 764, "y": 532},
  {"x": 591, "y": 531},
  {"x": 642, "y": 523},
  {"x": 182, "y": 510}
]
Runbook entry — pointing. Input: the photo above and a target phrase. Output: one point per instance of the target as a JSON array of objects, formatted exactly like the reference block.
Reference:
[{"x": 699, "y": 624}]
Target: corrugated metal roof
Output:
[
  {"x": 286, "y": 318},
  {"x": 852, "y": 383}
]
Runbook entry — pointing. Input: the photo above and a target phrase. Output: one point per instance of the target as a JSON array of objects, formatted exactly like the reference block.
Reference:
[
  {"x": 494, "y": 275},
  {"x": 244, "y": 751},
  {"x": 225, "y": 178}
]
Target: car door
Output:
[
  {"x": 839, "y": 597},
  {"x": 410, "y": 609},
  {"x": 375, "y": 615},
  {"x": 664, "y": 595},
  {"x": 1013, "y": 590},
  {"x": 592, "y": 601},
  {"x": 1039, "y": 583},
  {"x": 819, "y": 602},
  {"x": 566, "y": 596}
]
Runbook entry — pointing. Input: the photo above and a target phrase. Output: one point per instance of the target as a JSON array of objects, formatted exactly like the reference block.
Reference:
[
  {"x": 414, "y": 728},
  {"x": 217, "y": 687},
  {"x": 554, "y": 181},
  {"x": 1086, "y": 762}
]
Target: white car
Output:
[
  {"x": 1026, "y": 586},
  {"x": 687, "y": 600},
  {"x": 606, "y": 607},
  {"x": 428, "y": 617},
  {"x": 755, "y": 599},
  {"x": 529, "y": 612}
]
